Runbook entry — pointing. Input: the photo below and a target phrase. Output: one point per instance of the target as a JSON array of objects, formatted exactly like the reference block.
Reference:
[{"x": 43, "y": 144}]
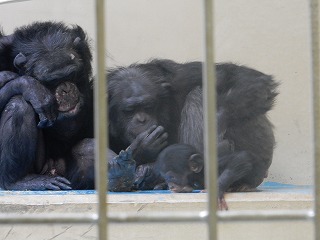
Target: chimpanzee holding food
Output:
[{"x": 167, "y": 97}]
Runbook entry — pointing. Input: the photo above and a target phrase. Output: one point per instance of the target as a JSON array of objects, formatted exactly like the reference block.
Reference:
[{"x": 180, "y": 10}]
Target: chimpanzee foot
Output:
[
  {"x": 121, "y": 172},
  {"x": 222, "y": 204},
  {"x": 41, "y": 183}
]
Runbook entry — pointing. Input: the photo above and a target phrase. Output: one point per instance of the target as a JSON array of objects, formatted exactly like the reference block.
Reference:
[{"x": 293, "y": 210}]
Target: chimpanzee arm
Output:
[
  {"x": 41, "y": 99},
  {"x": 20, "y": 158}
]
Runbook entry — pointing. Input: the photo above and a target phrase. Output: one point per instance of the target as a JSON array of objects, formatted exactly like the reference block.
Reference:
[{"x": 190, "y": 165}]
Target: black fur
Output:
[
  {"x": 45, "y": 79},
  {"x": 244, "y": 96}
]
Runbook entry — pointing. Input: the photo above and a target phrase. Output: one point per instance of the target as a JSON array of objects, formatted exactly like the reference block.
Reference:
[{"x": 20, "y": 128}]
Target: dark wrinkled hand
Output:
[
  {"x": 42, "y": 101},
  {"x": 148, "y": 144},
  {"x": 147, "y": 177}
]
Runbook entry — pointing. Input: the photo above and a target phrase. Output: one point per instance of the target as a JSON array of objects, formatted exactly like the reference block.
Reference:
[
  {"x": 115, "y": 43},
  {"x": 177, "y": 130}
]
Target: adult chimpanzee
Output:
[
  {"x": 149, "y": 97},
  {"x": 245, "y": 150},
  {"x": 142, "y": 95},
  {"x": 45, "y": 81},
  {"x": 52, "y": 86}
]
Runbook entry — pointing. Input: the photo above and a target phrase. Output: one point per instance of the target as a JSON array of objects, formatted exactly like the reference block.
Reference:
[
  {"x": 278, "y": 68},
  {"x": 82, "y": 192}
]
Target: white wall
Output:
[{"x": 269, "y": 35}]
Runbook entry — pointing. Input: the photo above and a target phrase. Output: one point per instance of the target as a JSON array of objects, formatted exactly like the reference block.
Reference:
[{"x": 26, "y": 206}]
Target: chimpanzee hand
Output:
[
  {"x": 148, "y": 144},
  {"x": 41, "y": 99},
  {"x": 121, "y": 172},
  {"x": 147, "y": 177},
  {"x": 41, "y": 183}
]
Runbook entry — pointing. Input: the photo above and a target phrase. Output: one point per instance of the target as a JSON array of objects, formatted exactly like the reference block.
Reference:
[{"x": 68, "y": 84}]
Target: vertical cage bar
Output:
[
  {"x": 314, "y": 7},
  {"x": 210, "y": 123},
  {"x": 316, "y": 117},
  {"x": 100, "y": 118}
]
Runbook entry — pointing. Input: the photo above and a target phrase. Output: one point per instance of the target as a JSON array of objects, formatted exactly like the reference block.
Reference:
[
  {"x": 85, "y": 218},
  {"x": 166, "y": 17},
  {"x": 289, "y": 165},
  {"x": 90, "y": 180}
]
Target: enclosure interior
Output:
[{"x": 269, "y": 35}]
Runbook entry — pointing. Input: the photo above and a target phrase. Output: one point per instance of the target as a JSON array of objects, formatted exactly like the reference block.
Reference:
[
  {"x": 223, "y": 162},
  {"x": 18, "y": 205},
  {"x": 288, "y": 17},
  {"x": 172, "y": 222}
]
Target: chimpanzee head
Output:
[
  {"x": 52, "y": 52},
  {"x": 182, "y": 168},
  {"x": 138, "y": 99}
]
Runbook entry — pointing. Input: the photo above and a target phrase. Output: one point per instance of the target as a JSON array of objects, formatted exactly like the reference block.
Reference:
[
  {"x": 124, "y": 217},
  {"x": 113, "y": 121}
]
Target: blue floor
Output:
[{"x": 265, "y": 187}]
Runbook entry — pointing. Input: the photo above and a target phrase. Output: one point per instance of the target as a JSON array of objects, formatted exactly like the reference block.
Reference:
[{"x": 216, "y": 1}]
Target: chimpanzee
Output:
[
  {"x": 245, "y": 150},
  {"x": 149, "y": 94},
  {"x": 46, "y": 111},
  {"x": 182, "y": 167}
]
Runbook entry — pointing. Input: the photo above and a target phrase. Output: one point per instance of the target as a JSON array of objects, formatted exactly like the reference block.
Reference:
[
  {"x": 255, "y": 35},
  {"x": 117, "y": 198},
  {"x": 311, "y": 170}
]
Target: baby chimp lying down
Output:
[{"x": 182, "y": 168}]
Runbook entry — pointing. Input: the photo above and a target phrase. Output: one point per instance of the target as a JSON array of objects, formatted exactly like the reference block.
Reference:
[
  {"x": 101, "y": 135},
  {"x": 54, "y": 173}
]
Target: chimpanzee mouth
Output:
[
  {"x": 68, "y": 106},
  {"x": 70, "y": 112}
]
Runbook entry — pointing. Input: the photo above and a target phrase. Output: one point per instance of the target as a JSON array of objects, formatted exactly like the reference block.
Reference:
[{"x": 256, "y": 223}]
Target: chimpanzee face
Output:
[
  {"x": 135, "y": 107},
  {"x": 178, "y": 182},
  {"x": 60, "y": 68},
  {"x": 138, "y": 110}
]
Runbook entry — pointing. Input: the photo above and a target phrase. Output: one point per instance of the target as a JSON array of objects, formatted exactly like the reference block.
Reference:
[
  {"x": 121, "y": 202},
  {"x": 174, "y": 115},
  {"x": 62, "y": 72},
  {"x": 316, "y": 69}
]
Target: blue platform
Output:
[{"x": 265, "y": 187}]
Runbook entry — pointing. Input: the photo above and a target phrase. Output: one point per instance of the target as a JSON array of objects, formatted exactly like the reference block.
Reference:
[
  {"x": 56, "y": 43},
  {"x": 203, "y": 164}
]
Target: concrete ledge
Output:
[{"x": 269, "y": 196}]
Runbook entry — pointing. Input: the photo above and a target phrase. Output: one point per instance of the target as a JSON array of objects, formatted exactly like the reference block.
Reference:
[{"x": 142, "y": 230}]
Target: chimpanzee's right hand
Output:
[{"x": 148, "y": 144}]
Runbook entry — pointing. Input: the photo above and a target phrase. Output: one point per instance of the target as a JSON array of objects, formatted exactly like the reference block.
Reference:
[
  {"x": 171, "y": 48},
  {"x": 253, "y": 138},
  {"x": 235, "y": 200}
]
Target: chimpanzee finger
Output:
[
  {"x": 137, "y": 142},
  {"x": 162, "y": 138},
  {"x": 162, "y": 145},
  {"x": 6, "y": 76},
  {"x": 51, "y": 186},
  {"x": 63, "y": 186},
  {"x": 60, "y": 185},
  {"x": 63, "y": 180},
  {"x": 156, "y": 133},
  {"x": 147, "y": 133}
]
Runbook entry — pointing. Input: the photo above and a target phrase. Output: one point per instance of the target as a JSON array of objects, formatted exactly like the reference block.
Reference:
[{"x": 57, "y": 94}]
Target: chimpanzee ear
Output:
[
  {"x": 19, "y": 61},
  {"x": 6, "y": 40},
  {"x": 195, "y": 163}
]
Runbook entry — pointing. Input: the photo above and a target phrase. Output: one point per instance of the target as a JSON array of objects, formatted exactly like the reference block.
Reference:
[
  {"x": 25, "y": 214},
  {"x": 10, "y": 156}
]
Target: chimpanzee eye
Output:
[{"x": 128, "y": 111}]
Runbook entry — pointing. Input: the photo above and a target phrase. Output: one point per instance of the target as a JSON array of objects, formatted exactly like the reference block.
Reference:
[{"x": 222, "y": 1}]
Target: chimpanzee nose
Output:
[{"x": 142, "y": 118}]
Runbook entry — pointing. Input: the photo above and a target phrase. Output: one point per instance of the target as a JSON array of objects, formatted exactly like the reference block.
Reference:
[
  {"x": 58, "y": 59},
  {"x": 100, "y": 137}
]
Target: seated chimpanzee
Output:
[
  {"x": 46, "y": 111},
  {"x": 168, "y": 95}
]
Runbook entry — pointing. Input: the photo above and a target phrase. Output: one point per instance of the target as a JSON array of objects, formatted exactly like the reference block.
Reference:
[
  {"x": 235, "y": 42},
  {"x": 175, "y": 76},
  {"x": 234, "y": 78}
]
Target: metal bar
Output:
[
  {"x": 210, "y": 125},
  {"x": 160, "y": 217},
  {"x": 266, "y": 215},
  {"x": 11, "y": 1},
  {"x": 314, "y": 7},
  {"x": 101, "y": 117},
  {"x": 45, "y": 218}
]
